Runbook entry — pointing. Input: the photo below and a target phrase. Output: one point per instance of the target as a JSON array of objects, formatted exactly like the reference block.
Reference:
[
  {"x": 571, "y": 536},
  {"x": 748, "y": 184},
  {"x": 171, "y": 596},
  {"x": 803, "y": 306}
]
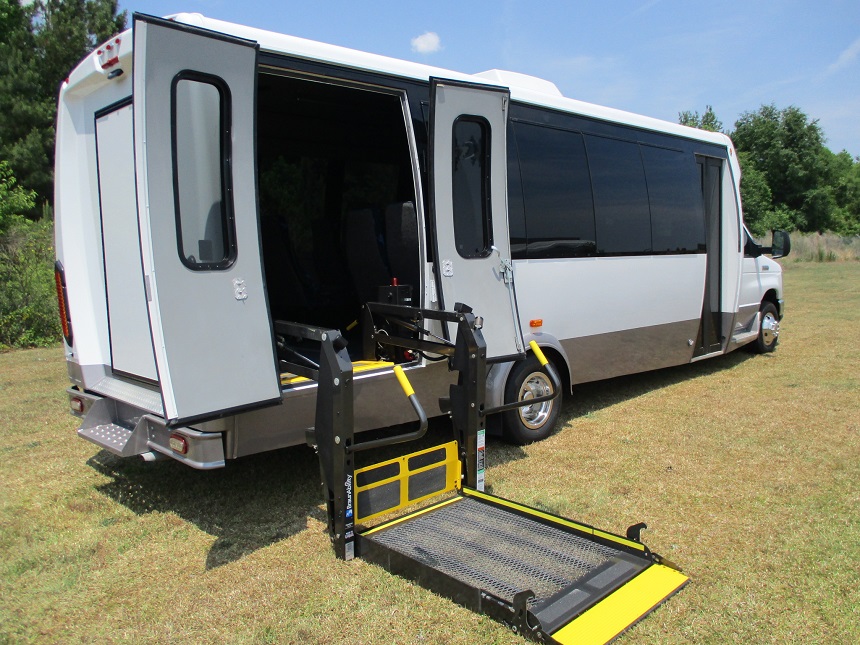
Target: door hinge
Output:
[{"x": 507, "y": 270}]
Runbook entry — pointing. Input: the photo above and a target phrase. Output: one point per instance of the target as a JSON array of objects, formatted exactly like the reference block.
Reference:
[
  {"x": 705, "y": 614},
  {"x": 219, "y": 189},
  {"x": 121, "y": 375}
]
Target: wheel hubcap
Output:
[
  {"x": 769, "y": 329},
  {"x": 537, "y": 384}
]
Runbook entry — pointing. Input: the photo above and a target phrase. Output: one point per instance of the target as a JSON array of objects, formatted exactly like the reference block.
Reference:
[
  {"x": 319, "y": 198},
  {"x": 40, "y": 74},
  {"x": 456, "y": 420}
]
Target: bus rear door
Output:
[{"x": 194, "y": 126}]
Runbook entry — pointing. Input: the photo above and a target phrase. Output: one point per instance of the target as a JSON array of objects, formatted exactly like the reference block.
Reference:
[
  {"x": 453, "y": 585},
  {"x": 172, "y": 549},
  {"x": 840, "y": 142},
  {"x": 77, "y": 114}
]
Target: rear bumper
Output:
[{"x": 126, "y": 431}]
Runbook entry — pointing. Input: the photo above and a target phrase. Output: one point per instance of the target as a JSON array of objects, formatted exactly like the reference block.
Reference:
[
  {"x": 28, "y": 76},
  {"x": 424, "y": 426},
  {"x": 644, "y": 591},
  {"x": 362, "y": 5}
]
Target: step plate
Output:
[
  {"x": 110, "y": 436},
  {"x": 625, "y": 607}
]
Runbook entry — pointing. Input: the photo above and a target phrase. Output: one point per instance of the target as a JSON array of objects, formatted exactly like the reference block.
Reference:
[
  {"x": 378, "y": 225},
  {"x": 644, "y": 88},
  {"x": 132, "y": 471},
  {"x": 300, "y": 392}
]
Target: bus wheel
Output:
[
  {"x": 768, "y": 332},
  {"x": 532, "y": 422}
]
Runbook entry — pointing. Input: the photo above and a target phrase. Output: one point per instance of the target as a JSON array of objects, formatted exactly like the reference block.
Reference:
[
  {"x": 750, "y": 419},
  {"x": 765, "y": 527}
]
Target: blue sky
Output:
[{"x": 653, "y": 57}]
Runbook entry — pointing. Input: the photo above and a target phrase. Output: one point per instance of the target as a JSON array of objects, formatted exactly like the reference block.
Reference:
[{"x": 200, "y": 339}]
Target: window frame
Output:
[{"x": 228, "y": 226}]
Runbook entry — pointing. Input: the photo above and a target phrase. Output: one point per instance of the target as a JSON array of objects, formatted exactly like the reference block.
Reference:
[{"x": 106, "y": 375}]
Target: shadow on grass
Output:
[
  {"x": 262, "y": 499},
  {"x": 252, "y": 503}
]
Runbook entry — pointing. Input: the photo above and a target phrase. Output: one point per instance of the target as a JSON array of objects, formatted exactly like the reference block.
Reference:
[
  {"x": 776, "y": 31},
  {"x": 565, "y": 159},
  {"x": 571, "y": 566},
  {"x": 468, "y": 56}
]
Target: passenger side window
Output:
[
  {"x": 620, "y": 196},
  {"x": 559, "y": 210},
  {"x": 201, "y": 140},
  {"x": 516, "y": 212},
  {"x": 677, "y": 219}
]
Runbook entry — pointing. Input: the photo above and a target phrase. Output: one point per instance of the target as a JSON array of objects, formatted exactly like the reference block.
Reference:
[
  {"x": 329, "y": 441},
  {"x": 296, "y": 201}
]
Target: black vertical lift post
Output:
[
  {"x": 332, "y": 434},
  {"x": 548, "y": 578}
]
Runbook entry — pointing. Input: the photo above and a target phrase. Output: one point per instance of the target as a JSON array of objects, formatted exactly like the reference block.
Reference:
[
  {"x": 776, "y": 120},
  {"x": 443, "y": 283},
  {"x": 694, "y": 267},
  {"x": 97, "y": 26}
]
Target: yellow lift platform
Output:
[{"x": 548, "y": 578}]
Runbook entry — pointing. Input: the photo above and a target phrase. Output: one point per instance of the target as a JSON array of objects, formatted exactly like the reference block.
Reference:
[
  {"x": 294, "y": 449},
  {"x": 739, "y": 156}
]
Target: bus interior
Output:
[{"x": 337, "y": 202}]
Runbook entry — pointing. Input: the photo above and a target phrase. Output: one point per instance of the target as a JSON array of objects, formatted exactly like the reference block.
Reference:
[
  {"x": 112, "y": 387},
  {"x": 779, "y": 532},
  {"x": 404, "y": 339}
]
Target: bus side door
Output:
[{"x": 468, "y": 189}]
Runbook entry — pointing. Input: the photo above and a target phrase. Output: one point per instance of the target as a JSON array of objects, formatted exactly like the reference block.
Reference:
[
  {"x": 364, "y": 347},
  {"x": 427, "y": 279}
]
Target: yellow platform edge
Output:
[
  {"x": 621, "y": 609},
  {"x": 590, "y": 530}
]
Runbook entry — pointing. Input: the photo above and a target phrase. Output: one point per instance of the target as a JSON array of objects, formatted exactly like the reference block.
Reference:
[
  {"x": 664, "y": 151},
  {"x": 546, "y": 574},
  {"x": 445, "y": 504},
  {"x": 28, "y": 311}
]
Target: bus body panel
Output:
[
  {"x": 640, "y": 312},
  {"x": 354, "y": 126}
]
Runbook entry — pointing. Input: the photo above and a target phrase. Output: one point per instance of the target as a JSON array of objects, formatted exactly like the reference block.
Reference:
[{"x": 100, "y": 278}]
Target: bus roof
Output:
[{"x": 524, "y": 88}]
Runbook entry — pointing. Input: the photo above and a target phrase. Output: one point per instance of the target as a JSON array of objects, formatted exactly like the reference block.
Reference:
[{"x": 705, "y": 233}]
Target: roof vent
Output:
[{"x": 520, "y": 81}]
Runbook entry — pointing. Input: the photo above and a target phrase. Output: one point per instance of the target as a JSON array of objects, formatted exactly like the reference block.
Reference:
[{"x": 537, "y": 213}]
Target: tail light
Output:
[
  {"x": 63, "y": 302},
  {"x": 179, "y": 444}
]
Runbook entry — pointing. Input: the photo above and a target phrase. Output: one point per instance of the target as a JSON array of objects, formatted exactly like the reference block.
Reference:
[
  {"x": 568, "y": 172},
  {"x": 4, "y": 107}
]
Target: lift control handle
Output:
[
  {"x": 538, "y": 353},
  {"x": 400, "y": 438},
  {"x": 404, "y": 382}
]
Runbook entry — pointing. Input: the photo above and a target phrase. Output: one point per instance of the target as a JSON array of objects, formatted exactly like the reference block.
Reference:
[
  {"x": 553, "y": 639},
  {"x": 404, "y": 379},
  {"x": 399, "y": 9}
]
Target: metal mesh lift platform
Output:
[{"x": 548, "y": 578}]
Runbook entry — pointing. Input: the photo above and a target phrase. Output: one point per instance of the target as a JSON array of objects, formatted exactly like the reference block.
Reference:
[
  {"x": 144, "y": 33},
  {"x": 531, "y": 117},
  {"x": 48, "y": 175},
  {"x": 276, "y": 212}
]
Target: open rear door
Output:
[
  {"x": 194, "y": 129},
  {"x": 468, "y": 179}
]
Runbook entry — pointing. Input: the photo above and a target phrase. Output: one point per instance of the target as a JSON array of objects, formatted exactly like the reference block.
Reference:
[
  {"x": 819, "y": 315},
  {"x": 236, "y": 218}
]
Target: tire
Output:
[
  {"x": 531, "y": 423},
  {"x": 768, "y": 331}
]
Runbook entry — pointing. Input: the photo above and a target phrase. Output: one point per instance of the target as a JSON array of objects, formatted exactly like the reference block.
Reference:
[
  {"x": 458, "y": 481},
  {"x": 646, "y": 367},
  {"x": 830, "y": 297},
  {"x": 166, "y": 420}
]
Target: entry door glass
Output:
[
  {"x": 710, "y": 339},
  {"x": 471, "y": 187}
]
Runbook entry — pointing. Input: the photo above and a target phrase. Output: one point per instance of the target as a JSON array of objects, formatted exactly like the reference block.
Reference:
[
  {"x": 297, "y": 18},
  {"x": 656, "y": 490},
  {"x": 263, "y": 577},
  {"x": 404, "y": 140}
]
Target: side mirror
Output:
[
  {"x": 751, "y": 248},
  {"x": 780, "y": 244}
]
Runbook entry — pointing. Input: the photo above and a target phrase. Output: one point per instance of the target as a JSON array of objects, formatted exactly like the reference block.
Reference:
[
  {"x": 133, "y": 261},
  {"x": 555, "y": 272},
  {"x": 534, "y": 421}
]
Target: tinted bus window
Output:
[
  {"x": 620, "y": 197},
  {"x": 677, "y": 221},
  {"x": 471, "y": 187},
  {"x": 559, "y": 210},
  {"x": 516, "y": 212}
]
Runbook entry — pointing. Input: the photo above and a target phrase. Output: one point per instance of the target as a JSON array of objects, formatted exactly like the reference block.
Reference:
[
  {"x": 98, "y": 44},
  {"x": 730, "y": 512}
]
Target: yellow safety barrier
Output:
[{"x": 396, "y": 483}]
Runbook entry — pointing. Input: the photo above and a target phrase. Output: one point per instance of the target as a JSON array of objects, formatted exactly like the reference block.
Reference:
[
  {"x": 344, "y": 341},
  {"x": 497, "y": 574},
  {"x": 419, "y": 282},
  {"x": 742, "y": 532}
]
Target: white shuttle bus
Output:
[{"x": 213, "y": 180}]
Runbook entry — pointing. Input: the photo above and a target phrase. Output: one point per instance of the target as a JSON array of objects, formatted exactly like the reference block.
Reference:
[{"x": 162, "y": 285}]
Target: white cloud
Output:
[
  {"x": 427, "y": 43},
  {"x": 848, "y": 56}
]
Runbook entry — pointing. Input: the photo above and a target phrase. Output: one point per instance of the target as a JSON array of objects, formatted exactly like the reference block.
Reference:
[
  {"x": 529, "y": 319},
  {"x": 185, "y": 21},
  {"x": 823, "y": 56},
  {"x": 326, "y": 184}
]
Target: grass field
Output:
[{"x": 746, "y": 469}]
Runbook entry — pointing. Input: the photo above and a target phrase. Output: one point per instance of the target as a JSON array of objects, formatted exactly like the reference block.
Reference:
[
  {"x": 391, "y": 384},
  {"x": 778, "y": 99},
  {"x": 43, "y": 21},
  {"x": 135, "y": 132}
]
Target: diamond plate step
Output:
[{"x": 112, "y": 437}]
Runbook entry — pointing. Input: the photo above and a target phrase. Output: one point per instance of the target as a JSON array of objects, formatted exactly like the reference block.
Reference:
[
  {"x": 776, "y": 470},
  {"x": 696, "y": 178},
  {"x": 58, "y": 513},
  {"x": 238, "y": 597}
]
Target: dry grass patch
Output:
[
  {"x": 747, "y": 470},
  {"x": 823, "y": 247}
]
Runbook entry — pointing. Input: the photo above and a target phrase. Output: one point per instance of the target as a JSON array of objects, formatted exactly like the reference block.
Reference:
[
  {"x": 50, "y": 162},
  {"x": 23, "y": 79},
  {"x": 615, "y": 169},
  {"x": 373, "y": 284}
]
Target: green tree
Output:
[
  {"x": 28, "y": 301},
  {"x": 15, "y": 201},
  {"x": 788, "y": 148},
  {"x": 25, "y": 117},
  {"x": 39, "y": 45},
  {"x": 843, "y": 183},
  {"x": 707, "y": 121},
  {"x": 790, "y": 179},
  {"x": 810, "y": 186},
  {"x": 28, "y": 308}
]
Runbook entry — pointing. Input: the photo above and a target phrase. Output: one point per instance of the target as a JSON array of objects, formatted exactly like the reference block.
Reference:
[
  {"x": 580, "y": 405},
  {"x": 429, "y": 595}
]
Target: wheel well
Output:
[
  {"x": 561, "y": 365},
  {"x": 770, "y": 296}
]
